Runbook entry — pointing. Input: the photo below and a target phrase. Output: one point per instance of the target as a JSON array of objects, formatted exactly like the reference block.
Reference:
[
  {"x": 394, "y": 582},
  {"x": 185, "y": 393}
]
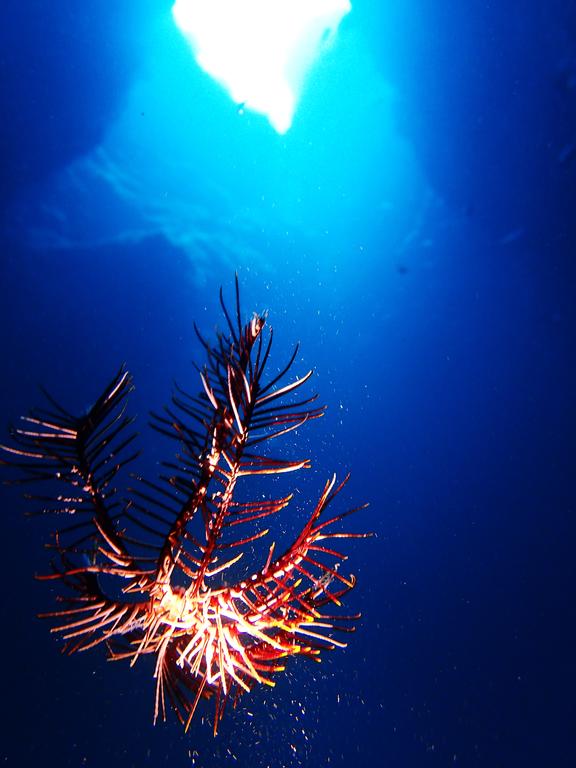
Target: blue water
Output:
[{"x": 415, "y": 231}]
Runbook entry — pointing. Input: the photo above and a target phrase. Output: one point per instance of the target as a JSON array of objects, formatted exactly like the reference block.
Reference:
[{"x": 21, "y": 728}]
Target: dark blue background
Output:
[{"x": 422, "y": 248}]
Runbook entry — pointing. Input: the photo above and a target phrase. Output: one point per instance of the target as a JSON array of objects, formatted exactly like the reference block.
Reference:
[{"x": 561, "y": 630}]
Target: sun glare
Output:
[{"x": 260, "y": 50}]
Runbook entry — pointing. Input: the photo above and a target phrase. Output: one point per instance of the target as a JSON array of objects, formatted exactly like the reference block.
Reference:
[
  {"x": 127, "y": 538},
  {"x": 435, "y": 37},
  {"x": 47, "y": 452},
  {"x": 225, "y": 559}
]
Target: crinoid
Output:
[{"x": 209, "y": 636}]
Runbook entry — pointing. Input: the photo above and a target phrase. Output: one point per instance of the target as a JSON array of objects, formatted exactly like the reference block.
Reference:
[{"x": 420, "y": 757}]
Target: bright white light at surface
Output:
[{"x": 260, "y": 50}]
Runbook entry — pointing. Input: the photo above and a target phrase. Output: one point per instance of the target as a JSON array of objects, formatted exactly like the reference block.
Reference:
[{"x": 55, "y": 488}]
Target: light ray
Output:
[{"x": 260, "y": 50}]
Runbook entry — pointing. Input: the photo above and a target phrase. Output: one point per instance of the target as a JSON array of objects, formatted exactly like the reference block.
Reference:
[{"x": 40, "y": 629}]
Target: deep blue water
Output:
[{"x": 415, "y": 231}]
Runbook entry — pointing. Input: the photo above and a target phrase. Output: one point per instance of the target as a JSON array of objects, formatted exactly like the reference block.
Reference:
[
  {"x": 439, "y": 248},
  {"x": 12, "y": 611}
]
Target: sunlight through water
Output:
[{"x": 260, "y": 50}]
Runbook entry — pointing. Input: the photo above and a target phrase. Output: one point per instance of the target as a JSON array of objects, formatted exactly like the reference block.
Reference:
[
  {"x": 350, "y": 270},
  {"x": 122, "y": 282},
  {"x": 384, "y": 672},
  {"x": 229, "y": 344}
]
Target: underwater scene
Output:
[{"x": 288, "y": 414}]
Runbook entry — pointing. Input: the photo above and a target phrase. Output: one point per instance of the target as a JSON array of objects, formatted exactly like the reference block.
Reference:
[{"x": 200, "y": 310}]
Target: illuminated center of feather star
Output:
[{"x": 260, "y": 50}]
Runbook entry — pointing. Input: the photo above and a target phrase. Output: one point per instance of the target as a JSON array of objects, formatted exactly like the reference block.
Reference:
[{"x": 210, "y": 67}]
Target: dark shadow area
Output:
[{"x": 65, "y": 69}]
